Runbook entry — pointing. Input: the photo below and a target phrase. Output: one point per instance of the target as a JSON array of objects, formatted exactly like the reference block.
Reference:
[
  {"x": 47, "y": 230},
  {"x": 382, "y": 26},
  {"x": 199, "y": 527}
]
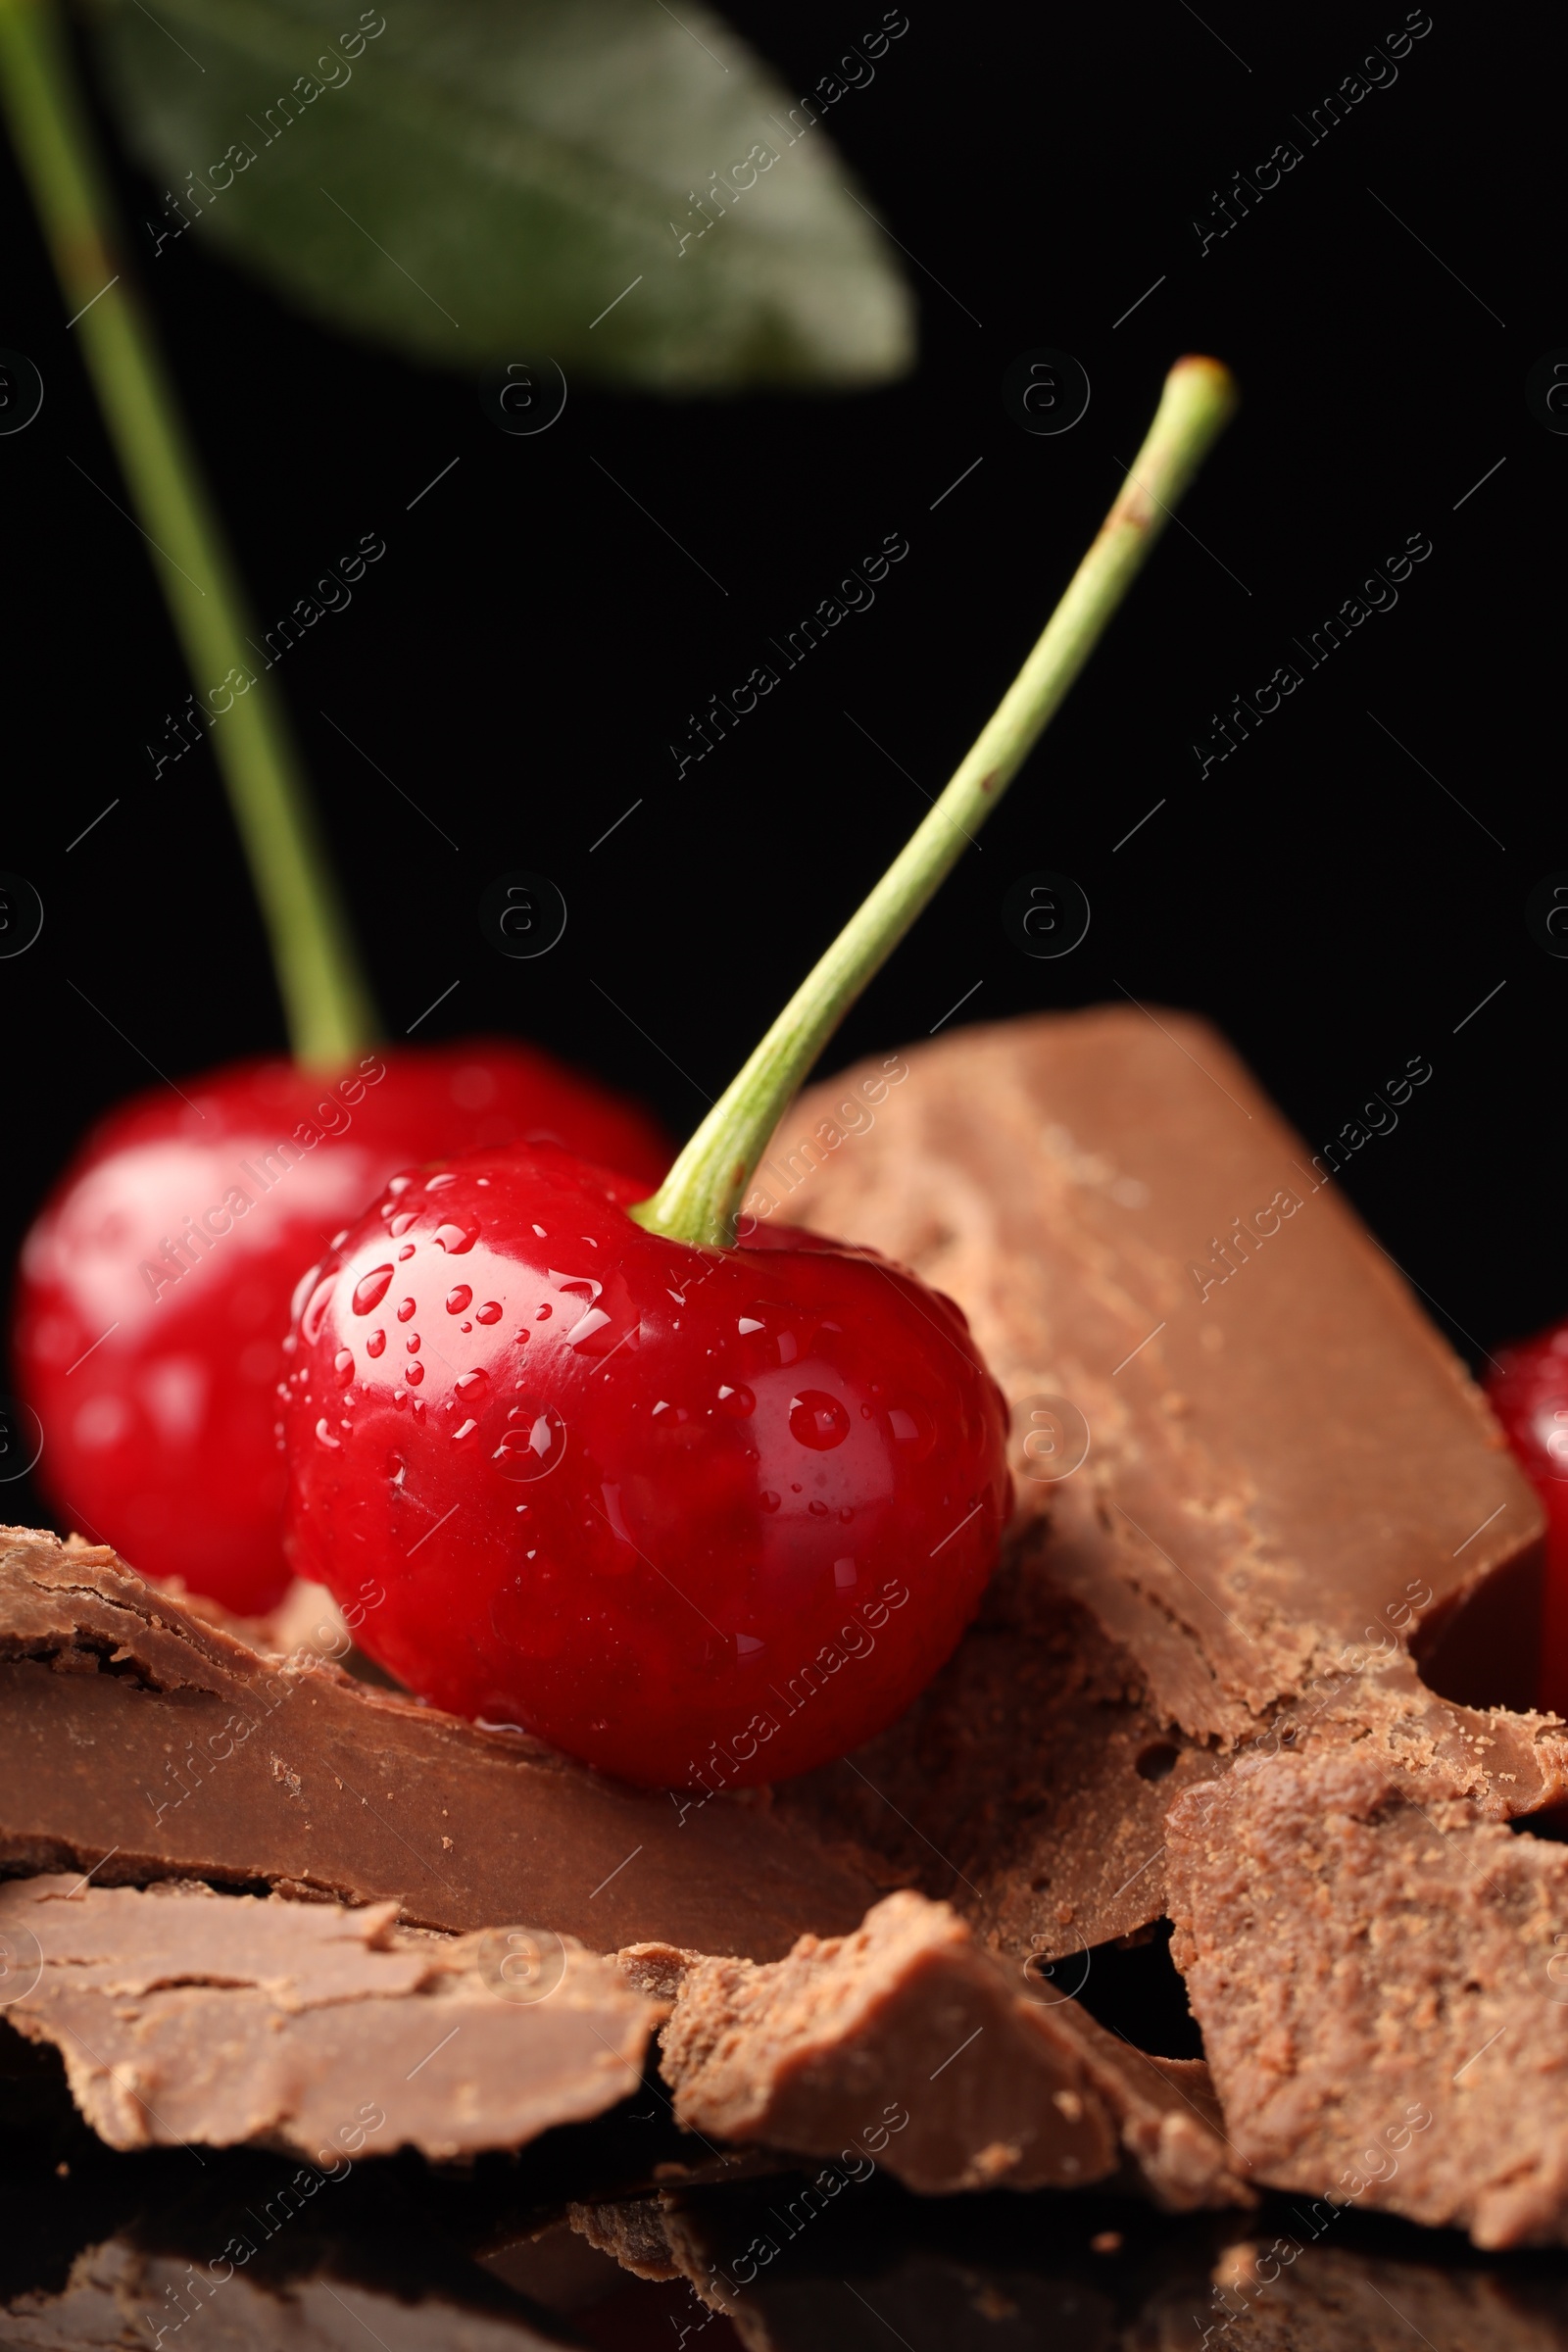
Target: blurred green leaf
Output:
[{"x": 480, "y": 179}]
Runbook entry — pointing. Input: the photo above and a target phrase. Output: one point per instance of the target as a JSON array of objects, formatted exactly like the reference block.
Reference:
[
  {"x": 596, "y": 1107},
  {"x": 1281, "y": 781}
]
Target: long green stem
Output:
[
  {"x": 326, "y": 999},
  {"x": 698, "y": 1200}
]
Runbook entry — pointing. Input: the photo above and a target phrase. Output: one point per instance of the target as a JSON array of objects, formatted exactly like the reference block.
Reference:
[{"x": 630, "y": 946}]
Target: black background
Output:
[{"x": 522, "y": 657}]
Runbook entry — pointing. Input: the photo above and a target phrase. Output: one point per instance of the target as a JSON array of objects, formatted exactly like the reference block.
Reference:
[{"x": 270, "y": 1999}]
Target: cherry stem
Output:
[
  {"x": 698, "y": 1199},
  {"x": 326, "y": 1000}
]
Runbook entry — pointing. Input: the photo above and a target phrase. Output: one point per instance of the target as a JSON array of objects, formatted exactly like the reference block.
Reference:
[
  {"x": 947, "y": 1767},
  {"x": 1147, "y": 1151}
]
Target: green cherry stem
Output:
[
  {"x": 326, "y": 999},
  {"x": 698, "y": 1199}
]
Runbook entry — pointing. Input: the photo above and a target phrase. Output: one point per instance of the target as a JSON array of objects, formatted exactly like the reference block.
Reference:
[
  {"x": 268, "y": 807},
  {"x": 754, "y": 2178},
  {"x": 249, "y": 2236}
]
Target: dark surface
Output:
[
  {"x": 530, "y": 645},
  {"x": 440, "y": 2249}
]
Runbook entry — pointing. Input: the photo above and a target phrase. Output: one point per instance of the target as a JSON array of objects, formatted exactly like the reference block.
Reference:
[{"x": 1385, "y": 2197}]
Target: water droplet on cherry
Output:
[
  {"x": 535, "y": 1446},
  {"x": 913, "y": 1427},
  {"x": 456, "y": 1239},
  {"x": 376, "y": 1342},
  {"x": 412, "y": 1342},
  {"x": 768, "y": 1500},
  {"x": 818, "y": 1420},
  {"x": 401, "y": 1223},
  {"x": 343, "y": 1363},
  {"x": 311, "y": 1320},
  {"x": 490, "y": 1312},
  {"x": 370, "y": 1289},
  {"x": 459, "y": 1298},
  {"x": 472, "y": 1386},
  {"x": 324, "y": 1437},
  {"x": 738, "y": 1401},
  {"x": 406, "y": 1308},
  {"x": 414, "y": 1374}
]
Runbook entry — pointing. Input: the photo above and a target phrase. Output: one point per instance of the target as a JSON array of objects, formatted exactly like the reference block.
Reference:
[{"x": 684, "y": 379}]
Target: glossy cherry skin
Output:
[
  {"x": 697, "y": 1517},
  {"x": 154, "y": 1286},
  {"x": 1528, "y": 1390}
]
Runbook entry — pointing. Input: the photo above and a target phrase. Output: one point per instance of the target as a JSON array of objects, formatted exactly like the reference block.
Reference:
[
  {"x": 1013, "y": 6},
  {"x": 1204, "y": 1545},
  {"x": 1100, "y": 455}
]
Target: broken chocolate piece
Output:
[
  {"x": 1382, "y": 1980},
  {"x": 1167, "y": 2117},
  {"x": 1286, "y": 1470},
  {"x": 183, "y": 2016},
  {"x": 905, "y": 2046},
  {"x": 140, "y": 1742},
  {"x": 839, "y": 2050},
  {"x": 1027, "y": 1784}
]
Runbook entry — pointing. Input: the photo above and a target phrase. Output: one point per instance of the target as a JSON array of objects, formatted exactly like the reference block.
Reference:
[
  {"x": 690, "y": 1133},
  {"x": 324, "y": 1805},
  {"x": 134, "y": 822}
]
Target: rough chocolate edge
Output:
[{"x": 1372, "y": 1963}]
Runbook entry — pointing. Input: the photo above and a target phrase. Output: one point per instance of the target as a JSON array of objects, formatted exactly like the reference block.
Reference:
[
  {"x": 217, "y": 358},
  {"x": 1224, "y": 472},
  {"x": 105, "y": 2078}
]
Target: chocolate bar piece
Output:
[
  {"x": 183, "y": 2015},
  {"x": 905, "y": 2046},
  {"x": 140, "y": 1742},
  {"x": 1382, "y": 1980},
  {"x": 1281, "y": 1469}
]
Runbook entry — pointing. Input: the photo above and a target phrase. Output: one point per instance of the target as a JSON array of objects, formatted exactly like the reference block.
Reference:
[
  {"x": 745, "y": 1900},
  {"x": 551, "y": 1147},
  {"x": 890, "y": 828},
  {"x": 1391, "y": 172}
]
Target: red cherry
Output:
[
  {"x": 699, "y": 1517},
  {"x": 1528, "y": 1390},
  {"x": 155, "y": 1285}
]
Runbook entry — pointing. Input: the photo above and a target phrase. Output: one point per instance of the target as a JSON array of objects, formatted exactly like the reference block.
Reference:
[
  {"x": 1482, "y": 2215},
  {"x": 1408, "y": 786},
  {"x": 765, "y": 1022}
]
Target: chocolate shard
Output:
[
  {"x": 186, "y": 2016},
  {"x": 905, "y": 2046},
  {"x": 901, "y": 2046},
  {"x": 1167, "y": 2117},
  {"x": 140, "y": 1742},
  {"x": 1381, "y": 1974},
  {"x": 1286, "y": 1470}
]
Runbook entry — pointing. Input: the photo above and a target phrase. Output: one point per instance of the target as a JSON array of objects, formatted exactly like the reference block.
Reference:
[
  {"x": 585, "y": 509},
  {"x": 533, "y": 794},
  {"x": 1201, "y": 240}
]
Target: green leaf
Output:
[{"x": 480, "y": 180}]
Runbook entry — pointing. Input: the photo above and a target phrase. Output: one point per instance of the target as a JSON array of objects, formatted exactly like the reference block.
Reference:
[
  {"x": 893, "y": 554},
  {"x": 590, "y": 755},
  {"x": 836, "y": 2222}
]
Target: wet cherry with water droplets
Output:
[{"x": 688, "y": 1474}]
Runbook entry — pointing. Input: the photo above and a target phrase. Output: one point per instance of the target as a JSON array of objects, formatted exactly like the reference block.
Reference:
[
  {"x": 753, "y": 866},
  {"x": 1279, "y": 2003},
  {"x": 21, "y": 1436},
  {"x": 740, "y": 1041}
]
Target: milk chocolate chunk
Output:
[
  {"x": 139, "y": 1742},
  {"x": 1167, "y": 2116},
  {"x": 901, "y": 2045},
  {"x": 187, "y": 2016},
  {"x": 1382, "y": 1980},
  {"x": 1286, "y": 1469},
  {"x": 1027, "y": 1784},
  {"x": 905, "y": 2047}
]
